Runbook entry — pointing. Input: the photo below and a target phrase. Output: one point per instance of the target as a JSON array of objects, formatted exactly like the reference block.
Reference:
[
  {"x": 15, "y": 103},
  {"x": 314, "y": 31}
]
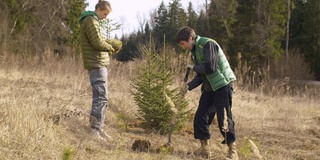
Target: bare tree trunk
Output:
[
  {"x": 142, "y": 21},
  {"x": 288, "y": 24},
  {"x": 222, "y": 18},
  {"x": 207, "y": 18}
]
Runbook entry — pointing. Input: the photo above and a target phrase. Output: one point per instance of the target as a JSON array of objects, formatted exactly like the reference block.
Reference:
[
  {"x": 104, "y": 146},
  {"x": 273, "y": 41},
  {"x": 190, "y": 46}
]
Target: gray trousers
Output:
[{"x": 98, "y": 81}]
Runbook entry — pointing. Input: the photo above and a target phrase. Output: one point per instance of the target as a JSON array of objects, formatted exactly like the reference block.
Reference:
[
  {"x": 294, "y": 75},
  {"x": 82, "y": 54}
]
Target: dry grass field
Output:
[{"x": 45, "y": 102}]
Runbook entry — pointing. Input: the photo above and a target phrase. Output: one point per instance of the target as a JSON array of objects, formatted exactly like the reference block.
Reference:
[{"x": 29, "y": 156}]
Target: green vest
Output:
[{"x": 223, "y": 74}]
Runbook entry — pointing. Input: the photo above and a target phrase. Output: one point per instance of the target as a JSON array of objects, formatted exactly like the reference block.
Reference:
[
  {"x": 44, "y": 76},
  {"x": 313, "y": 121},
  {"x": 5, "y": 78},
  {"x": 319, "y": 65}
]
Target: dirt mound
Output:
[{"x": 141, "y": 145}]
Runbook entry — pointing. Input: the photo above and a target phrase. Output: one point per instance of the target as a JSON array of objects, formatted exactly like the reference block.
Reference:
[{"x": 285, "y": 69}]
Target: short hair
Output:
[
  {"x": 185, "y": 33},
  {"x": 103, "y": 5}
]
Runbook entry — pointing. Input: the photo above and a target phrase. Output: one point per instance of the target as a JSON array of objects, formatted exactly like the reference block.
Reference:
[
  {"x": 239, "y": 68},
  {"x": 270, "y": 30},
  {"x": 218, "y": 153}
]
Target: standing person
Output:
[
  {"x": 214, "y": 73},
  {"x": 95, "y": 54}
]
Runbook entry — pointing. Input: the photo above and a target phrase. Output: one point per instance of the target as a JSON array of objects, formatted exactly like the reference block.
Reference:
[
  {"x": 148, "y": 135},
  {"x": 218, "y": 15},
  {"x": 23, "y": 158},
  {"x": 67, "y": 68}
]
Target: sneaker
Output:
[
  {"x": 96, "y": 134},
  {"x": 104, "y": 134}
]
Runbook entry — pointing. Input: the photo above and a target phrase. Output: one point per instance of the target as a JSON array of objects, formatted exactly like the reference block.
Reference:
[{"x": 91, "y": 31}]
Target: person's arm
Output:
[
  {"x": 116, "y": 45},
  {"x": 195, "y": 82},
  {"x": 95, "y": 38},
  {"x": 210, "y": 51}
]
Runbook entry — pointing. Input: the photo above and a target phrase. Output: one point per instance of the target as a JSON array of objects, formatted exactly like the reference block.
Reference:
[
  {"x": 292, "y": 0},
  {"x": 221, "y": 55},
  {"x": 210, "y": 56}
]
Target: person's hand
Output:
[
  {"x": 184, "y": 89},
  {"x": 116, "y": 45},
  {"x": 111, "y": 50},
  {"x": 190, "y": 66}
]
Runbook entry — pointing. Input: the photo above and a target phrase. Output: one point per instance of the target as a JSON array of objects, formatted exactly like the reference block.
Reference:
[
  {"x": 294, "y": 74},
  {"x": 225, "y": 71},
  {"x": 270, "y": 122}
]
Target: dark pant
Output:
[{"x": 218, "y": 102}]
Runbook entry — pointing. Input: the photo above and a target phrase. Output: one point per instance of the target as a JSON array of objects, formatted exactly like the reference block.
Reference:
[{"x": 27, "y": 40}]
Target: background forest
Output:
[{"x": 263, "y": 33}]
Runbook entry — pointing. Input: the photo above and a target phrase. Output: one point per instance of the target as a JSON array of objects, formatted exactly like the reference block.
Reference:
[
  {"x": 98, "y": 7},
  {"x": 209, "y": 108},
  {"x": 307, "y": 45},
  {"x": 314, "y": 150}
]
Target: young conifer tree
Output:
[{"x": 155, "y": 79}]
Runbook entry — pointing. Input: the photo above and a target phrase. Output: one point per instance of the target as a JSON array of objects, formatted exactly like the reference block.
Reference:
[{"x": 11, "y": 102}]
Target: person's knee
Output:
[{"x": 99, "y": 89}]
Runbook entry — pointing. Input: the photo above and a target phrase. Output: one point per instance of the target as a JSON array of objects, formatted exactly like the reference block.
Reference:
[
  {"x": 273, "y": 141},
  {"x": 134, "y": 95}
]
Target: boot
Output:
[
  {"x": 204, "y": 150},
  {"x": 232, "y": 153}
]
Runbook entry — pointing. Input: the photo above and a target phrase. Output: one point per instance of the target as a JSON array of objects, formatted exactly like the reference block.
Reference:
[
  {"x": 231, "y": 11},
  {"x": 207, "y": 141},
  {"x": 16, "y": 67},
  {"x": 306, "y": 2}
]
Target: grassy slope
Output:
[{"x": 44, "y": 111}]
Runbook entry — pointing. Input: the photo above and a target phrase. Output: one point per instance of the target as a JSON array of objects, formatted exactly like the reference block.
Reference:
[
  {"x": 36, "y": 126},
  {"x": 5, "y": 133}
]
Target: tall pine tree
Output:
[
  {"x": 305, "y": 32},
  {"x": 222, "y": 16},
  {"x": 75, "y": 8},
  {"x": 191, "y": 16},
  {"x": 258, "y": 31},
  {"x": 177, "y": 19},
  {"x": 161, "y": 23}
]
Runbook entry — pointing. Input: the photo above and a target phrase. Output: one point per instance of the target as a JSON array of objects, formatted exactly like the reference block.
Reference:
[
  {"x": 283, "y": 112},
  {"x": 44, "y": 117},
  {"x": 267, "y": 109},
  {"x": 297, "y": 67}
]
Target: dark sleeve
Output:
[
  {"x": 195, "y": 82},
  {"x": 210, "y": 51}
]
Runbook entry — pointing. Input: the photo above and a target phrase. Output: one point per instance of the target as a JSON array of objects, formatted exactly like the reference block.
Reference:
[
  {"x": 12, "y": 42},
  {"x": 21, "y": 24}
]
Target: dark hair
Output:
[
  {"x": 103, "y": 5},
  {"x": 184, "y": 34}
]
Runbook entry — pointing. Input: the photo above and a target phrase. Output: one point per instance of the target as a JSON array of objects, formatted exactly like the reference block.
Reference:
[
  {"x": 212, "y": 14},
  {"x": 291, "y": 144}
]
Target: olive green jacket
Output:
[{"x": 95, "y": 49}]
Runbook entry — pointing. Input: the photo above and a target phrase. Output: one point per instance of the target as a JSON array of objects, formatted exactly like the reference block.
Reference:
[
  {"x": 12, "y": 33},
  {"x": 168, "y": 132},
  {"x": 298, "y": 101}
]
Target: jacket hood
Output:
[{"x": 86, "y": 14}]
